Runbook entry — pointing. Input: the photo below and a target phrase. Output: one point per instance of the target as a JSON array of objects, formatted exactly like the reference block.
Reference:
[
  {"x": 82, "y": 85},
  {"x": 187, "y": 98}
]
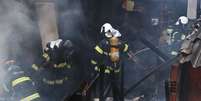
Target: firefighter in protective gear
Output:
[
  {"x": 182, "y": 26},
  {"x": 18, "y": 86},
  {"x": 58, "y": 70},
  {"x": 107, "y": 61},
  {"x": 173, "y": 36}
]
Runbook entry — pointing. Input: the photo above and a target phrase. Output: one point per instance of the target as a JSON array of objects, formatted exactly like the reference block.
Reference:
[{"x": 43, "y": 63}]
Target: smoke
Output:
[
  {"x": 16, "y": 27},
  {"x": 153, "y": 87},
  {"x": 16, "y": 31},
  {"x": 70, "y": 20}
]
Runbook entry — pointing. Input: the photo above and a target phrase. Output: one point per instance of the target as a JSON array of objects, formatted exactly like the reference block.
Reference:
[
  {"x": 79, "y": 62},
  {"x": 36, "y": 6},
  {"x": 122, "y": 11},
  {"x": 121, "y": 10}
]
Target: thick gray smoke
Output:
[{"x": 16, "y": 27}]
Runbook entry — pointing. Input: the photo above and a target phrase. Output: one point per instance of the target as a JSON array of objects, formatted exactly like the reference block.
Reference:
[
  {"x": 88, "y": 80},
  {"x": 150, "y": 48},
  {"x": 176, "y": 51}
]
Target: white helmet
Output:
[
  {"x": 182, "y": 20},
  {"x": 106, "y": 28},
  {"x": 55, "y": 43},
  {"x": 110, "y": 31}
]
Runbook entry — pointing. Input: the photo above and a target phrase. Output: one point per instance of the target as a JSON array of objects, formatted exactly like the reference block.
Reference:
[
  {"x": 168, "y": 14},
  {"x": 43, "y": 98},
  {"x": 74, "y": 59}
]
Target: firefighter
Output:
[
  {"x": 108, "y": 59},
  {"x": 174, "y": 35},
  {"x": 18, "y": 85},
  {"x": 58, "y": 70}
]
